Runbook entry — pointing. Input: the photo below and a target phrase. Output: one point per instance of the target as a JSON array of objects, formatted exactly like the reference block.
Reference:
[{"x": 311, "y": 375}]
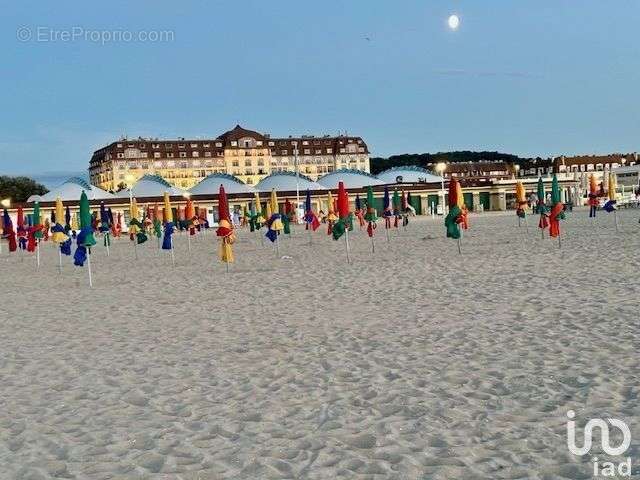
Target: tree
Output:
[{"x": 19, "y": 189}]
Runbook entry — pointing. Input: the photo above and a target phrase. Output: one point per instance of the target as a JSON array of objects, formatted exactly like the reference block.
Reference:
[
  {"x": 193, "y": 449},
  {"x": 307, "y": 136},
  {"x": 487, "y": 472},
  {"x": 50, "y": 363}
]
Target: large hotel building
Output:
[{"x": 246, "y": 154}]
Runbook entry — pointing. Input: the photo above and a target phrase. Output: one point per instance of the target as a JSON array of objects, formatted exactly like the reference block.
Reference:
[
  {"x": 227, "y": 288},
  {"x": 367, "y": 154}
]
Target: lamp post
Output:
[
  {"x": 440, "y": 168},
  {"x": 295, "y": 157}
]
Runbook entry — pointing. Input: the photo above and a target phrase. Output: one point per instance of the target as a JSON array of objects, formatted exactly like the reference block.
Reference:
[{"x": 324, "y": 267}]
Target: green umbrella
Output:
[
  {"x": 370, "y": 216},
  {"x": 36, "y": 220},
  {"x": 396, "y": 202},
  {"x": 85, "y": 220},
  {"x": 555, "y": 190}
]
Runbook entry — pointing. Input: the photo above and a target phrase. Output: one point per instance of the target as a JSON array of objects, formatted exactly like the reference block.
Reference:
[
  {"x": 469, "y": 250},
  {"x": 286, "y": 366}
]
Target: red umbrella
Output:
[{"x": 343, "y": 201}]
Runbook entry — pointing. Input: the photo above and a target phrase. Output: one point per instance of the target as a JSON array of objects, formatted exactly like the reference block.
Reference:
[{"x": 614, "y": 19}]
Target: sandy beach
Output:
[{"x": 418, "y": 363}]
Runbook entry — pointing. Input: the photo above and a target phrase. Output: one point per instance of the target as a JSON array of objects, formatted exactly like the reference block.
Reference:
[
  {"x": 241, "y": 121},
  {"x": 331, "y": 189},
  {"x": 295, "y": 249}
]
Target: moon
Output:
[{"x": 454, "y": 22}]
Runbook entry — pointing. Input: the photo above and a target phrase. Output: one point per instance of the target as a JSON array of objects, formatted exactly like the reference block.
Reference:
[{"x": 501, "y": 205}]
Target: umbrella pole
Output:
[
  {"x": 460, "y": 243},
  {"x": 309, "y": 229},
  {"x": 108, "y": 242},
  {"x": 60, "y": 260},
  {"x": 89, "y": 268},
  {"x": 346, "y": 244},
  {"x": 615, "y": 219},
  {"x": 277, "y": 245},
  {"x": 135, "y": 246},
  {"x": 38, "y": 253},
  {"x": 189, "y": 241},
  {"x": 387, "y": 232},
  {"x": 559, "y": 240},
  {"x": 526, "y": 225},
  {"x": 173, "y": 257},
  {"x": 373, "y": 246}
]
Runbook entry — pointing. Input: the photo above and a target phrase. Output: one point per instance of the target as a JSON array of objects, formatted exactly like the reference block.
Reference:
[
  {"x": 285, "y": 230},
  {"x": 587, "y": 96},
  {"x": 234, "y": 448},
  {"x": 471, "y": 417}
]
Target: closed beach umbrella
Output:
[
  {"x": 8, "y": 231},
  {"x": 386, "y": 209},
  {"x": 274, "y": 222},
  {"x": 454, "y": 217},
  {"x": 343, "y": 222},
  {"x": 310, "y": 218},
  {"x": 370, "y": 216},
  {"x": 557, "y": 208},
  {"x": 167, "y": 241},
  {"x": 36, "y": 221},
  {"x": 593, "y": 196},
  {"x": 58, "y": 229},
  {"x": 67, "y": 219},
  {"x": 521, "y": 200},
  {"x": 225, "y": 228},
  {"x": 396, "y": 207},
  {"x": 542, "y": 209}
]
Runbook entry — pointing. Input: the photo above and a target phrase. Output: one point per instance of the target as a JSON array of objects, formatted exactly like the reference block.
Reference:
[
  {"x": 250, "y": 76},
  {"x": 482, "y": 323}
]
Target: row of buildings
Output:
[{"x": 245, "y": 154}]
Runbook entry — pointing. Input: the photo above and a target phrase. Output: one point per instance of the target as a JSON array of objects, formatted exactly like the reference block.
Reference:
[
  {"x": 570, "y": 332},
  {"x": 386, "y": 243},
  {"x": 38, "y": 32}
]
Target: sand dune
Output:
[{"x": 417, "y": 363}]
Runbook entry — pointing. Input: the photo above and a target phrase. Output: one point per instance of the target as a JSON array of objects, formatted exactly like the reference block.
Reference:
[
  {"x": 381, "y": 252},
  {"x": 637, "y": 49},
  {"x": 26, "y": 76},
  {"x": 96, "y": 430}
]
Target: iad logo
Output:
[{"x": 608, "y": 468}]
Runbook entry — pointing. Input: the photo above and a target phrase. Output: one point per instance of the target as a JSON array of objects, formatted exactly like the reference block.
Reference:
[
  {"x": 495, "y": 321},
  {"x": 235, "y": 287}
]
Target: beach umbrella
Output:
[
  {"x": 225, "y": 229},
  {"x": 67, "y": 220},
  {"x": 405, "y": 209},
  {"x": 541, "y": 208},
  {"x": 396, "y": 207},
  {"x": 274, "y": 222},
  {"x": 8, "y": 231},
  {"x": 331, "y": 213},
  {"x": 59, "y": 236},
  {"x": 310, "y": 218},
  {"x": 557, "y": 210},
  {"x": 257, "y": 219},
  {"x": 136, "y": 230},
  {"x": 190, "y": 216},
  {"x": 167, "y": 241},
  {"x": 157, "y": 223},
  {"x": 611, "y": 204},
  {"x": 464, "y": 216},
  {"x": 371, "y": 217},
  {"x": 85, "y": 239},
  {"x": 454, "y": 218},
  {"x": 105, "y": 226},
  {"x": 35, "y": 233},
  {"x": 386, "y": 211},
  {"x": 36, "y": 221},
  {"x": 343, "y": 225},
  {"x": 21, "y": 232},
  {"x": 593, "y": 196},
  {"x": 286, "y": 220},
  {"x": 359, "y": 212},
  {"x": 521, "y": 200},
  {"x": 74, "y": 223}
]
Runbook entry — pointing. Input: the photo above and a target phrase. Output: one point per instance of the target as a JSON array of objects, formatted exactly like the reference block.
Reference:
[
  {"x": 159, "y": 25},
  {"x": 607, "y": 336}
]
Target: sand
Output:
[{"x": 418, "y": 363}]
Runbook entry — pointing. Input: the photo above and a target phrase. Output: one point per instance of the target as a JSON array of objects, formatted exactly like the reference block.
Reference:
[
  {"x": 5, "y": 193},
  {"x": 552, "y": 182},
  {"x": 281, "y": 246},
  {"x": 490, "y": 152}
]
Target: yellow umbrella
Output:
[
  {"x": 133, "y": 213},
  {"x": 273, "y": 203},
  {"x": 460, "y": 198},
  {"x": 168, "y": 213},
  {"x": 59, "y": 236},
  {"x": 612, "y": 186},
  {"x": 258, "y": 208},
  {"x": 269, "y": 212},
  {"x": 520, "y": 193},
  {"x": 74, "y": 222},
  {"x": 331, "y": 215}
]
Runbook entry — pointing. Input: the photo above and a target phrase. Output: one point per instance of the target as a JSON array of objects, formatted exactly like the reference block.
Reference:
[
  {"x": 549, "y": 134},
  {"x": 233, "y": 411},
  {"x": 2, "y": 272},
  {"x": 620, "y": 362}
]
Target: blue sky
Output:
[{"x": 540, "y": 77}]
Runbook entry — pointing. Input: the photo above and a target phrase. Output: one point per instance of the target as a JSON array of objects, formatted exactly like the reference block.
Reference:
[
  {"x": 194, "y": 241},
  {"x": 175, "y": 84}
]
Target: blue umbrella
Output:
[{"x": 307, "y": 202}]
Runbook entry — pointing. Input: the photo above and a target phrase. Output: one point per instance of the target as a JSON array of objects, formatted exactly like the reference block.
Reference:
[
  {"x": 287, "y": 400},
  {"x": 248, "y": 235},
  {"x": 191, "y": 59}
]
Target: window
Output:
[
  {"x": 259, "y": 143},
  {"x": 168, "y": 145},
  {"x": 207, "y": 154},
  {"x": 304, "y": 142},
  {"x": 283, "y": 152},
  {"x": 155, "y": 145},
  {"x": 318, "y": 151},
  {"x": 247, "y": 163},
  {"x": 234, "y": 143},
  {"x": 307, "y": 151},
  {"x": 143, "y": 154},
  {"x": 120, "y": 155},
  {"x": 183, "y": 154},
  {"x": 329, "y": 150},
  {"x": 194, "y": 145},
  {"x": 157, "y": 164},
  {"x": 156, "y": 154},
  {"x": 250, "y": 181},
  {"x": 196, "y": 163},
  {"x": 272, "y": 144},
  {"x": 181, "y": 145},
  {"x": 195, "y": 154},
  {"x": 119, "y": 145},
  {"x": 206, "y": 145},
  {"x": 170, "y": 155},
  {"x": 218, "y": 144}
]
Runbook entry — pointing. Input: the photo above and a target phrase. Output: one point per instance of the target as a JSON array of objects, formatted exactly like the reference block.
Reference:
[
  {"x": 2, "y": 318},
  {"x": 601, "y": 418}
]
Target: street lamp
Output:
[
  {"x": 516, "y": 169},
  {"x": 440, "y": 168}
]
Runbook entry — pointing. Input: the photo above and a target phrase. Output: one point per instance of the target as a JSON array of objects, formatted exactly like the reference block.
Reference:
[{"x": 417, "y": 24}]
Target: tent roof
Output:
[
  {"x": 150, "y": 186},
  {"x": 408, "y": 174},
  {"x": 211, "y": 185},
  {"x": 71, "y": 190},
  {"x": 351, "y": 179}
]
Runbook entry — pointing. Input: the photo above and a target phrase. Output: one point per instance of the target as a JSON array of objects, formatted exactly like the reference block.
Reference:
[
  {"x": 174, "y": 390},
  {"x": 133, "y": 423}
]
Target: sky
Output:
[{"x": 530, "y": 77}]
